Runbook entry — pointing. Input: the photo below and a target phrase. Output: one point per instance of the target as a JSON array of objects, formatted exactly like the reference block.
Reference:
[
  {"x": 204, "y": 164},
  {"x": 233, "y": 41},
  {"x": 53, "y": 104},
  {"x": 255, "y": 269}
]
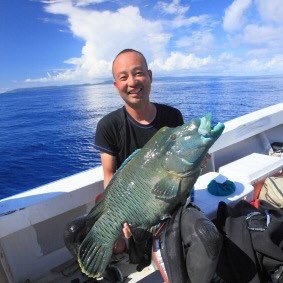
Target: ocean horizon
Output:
[{"x": 47, "y": 133}]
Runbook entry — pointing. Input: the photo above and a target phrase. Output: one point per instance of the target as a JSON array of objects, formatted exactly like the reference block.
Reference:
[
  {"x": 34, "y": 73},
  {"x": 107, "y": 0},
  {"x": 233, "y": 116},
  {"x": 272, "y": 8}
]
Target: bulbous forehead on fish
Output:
[
  {"x": 188, "y": 128},
  {"x": 168, "y": 136}
]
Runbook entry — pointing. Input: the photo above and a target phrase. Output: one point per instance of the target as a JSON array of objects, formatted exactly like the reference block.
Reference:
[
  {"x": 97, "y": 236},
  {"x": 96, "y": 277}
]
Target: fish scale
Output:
[
  {"x": 142, "y": 197},
  {"x": 149, "y": 185}
]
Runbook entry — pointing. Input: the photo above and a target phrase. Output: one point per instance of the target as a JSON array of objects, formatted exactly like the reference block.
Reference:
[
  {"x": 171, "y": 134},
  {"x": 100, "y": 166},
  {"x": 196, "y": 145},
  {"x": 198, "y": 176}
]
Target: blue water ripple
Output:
[{"x": 48, "y": 133}]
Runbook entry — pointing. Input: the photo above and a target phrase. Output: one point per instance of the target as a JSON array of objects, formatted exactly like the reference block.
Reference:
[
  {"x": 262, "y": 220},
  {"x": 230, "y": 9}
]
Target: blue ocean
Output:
[{"x": 48, "y": 133}]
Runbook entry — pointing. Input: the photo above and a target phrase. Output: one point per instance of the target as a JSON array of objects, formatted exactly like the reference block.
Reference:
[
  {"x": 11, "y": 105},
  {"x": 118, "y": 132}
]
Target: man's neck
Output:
[{"x": 144, "y": 114}]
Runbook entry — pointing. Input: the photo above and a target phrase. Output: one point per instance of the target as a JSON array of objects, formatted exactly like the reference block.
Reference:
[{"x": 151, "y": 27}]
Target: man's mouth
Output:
[{"x": 135, "y": 91}]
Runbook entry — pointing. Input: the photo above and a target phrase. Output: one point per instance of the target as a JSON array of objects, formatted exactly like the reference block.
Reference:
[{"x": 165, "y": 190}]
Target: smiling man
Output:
[
  {"x": 132, "y": 80},
  {"x": 118, "y": 135},
  {"x": 123, "y": 131},
  {"x": 190, "y": 243}
]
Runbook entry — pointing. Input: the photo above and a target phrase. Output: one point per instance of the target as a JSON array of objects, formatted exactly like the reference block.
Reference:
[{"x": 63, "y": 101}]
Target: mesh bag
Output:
[{"x": 272, "y": 191}]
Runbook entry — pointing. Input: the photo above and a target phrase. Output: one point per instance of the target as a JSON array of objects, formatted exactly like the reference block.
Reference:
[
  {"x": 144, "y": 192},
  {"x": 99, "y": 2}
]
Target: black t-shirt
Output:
[{"x": 118, "y": 134}]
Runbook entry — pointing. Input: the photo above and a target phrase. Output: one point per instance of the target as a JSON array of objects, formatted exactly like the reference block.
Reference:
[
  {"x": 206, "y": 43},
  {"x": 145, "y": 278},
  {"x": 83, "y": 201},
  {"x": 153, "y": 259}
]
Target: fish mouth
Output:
[{"x": 205, "y": 129}]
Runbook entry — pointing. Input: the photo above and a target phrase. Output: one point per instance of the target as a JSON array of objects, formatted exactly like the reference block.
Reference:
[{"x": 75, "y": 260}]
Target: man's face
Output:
[{"x": 132, "y": 79}]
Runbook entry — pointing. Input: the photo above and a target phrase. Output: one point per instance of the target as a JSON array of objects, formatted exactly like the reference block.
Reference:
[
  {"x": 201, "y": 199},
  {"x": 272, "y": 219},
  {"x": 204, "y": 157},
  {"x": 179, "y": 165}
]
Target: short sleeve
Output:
[
  {"x": 105, "y": 140},
  {"x": 175, "y": 117},
  {"x": 180, "y": 119}
]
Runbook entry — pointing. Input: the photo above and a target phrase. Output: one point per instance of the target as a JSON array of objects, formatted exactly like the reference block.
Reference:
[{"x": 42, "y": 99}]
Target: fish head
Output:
[{"x": 187, "y": 145}]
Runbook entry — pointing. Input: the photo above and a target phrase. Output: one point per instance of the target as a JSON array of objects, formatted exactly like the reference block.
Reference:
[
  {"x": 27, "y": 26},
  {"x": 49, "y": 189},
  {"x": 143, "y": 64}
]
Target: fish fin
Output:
[
  {"x": 93, "y": 255},
  {"x": 96, "y": 211},
  {"x": 167, "y": 188}
]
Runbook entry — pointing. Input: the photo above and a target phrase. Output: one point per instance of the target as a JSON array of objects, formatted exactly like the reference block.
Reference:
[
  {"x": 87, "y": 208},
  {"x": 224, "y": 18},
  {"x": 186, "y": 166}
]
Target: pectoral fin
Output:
[{"x": 167, "y": 188}]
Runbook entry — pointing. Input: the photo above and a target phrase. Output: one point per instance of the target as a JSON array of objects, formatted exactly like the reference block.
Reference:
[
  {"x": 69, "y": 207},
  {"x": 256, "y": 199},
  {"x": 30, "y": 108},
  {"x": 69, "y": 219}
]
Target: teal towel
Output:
[{"x": 225, "y": 189}]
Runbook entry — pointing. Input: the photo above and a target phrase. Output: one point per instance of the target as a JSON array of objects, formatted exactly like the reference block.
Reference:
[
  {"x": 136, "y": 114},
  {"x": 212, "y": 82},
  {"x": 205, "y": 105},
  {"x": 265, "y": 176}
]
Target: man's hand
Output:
[
  {"x": 120, "y": 244},
  {"x": 127, "y": 231}
]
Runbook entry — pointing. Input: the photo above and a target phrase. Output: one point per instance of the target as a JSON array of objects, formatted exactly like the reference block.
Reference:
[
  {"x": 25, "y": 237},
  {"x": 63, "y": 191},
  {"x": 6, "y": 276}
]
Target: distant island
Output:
[
  {"x": 59, "y": 86},
  {"x": 156, "y": 79}
]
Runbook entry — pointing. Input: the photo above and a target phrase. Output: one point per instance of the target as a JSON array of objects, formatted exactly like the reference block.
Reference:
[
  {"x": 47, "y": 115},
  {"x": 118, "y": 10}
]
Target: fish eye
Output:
[{"x": 173, "y": 137}]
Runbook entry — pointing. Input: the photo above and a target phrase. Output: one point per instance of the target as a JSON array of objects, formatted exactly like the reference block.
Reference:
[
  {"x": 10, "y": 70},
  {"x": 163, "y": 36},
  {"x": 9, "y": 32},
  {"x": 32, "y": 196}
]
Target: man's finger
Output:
[{"x": 127, "y": 231}]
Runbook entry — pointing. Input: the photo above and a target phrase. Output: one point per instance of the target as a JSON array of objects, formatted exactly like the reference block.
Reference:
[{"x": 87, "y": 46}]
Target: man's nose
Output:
[{"x": 132, "y": 80}]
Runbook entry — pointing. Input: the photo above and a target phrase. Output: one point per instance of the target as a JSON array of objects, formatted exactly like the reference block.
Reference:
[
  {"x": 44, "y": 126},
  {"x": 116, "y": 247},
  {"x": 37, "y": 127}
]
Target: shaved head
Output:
[{"x": 128, "y": 50}]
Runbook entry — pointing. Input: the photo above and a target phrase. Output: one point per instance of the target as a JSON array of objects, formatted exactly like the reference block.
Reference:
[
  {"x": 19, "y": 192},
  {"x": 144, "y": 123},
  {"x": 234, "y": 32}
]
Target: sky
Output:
[{"x": 57, "y": 42}]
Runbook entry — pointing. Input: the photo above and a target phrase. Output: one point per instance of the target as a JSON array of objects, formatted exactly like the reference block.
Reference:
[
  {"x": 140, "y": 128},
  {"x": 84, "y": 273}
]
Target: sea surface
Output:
[{"x": 48, "y": 133}]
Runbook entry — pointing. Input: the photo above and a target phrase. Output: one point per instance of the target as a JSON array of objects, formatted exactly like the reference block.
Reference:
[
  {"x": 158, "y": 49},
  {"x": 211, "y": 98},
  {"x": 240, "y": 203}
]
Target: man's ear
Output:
[
  {"x": 115, "y": 84},
  {"x": 150, "y": 75}
]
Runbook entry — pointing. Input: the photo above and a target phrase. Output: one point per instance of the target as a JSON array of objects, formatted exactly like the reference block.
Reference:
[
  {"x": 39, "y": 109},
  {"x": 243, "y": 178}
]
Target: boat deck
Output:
[
  {"x": 32, "y": 223},
  {"x": 70, "y": 271}
]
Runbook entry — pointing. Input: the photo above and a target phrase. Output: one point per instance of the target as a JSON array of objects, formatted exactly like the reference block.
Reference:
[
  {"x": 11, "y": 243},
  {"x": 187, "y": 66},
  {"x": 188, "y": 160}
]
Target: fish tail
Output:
[
  {"x": 94, "y": 256},
  {"x": 96, "y": 211}
]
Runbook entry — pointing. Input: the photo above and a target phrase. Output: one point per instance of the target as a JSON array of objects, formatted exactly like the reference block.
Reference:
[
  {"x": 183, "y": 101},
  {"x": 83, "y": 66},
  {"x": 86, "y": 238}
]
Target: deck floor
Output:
[{"x": 70, "y": 271}]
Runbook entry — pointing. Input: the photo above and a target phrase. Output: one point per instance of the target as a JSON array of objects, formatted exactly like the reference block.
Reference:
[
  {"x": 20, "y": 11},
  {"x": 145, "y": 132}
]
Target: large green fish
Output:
[{"x": 149, "y": 185}]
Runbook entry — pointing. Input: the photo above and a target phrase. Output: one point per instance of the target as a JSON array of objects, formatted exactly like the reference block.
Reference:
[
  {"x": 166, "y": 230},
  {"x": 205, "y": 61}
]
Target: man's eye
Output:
[
  {"x": 122, "y": 78},
  {"x": 139, "y": 73}
]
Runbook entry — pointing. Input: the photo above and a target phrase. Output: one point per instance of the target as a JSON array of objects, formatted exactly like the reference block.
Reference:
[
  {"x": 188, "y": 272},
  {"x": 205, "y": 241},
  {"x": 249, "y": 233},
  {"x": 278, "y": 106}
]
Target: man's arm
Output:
[{"x": 109, "y": 167}]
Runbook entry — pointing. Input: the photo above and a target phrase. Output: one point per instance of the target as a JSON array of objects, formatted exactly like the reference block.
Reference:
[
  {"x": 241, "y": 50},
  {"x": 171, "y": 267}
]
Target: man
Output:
[
  {"x": 190, "y": 243},
  {"x": 122, "y": 132}
]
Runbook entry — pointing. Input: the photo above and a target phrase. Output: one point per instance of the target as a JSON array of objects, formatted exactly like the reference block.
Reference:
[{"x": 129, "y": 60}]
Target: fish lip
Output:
[
  {"x": 217, "y": 130},
  {"x": 205, "y": 129}
]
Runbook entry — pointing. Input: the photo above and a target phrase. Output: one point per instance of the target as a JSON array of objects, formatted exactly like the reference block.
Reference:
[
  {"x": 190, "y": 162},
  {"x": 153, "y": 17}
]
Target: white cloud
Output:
[
  {"x": 229, "y": 64},
  {"x": 260, "y": 37},
  {"x": 83, "y": 3},
  {"x": 264, "y": 35},
  {"x": 174, "y": 8},
  {"x": 273, "y": 65},
  {"x": 50, "y": 1},
  {"x": 260, "y": 32},
  {"x": 234, "y": 15},
  {"x": 178, "y": 61},
  {"x": 198, "y": 41},
  {"x": 270, "y": 10},
  {"x": 258, "y": 53},
  {"x": 224, "y": 64},
  {"x": 179, "y": 45},
  {"x": 74, "y": 61},
  {"x": 128, "y": 29},
  {"x": 181, "y": 21}
]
